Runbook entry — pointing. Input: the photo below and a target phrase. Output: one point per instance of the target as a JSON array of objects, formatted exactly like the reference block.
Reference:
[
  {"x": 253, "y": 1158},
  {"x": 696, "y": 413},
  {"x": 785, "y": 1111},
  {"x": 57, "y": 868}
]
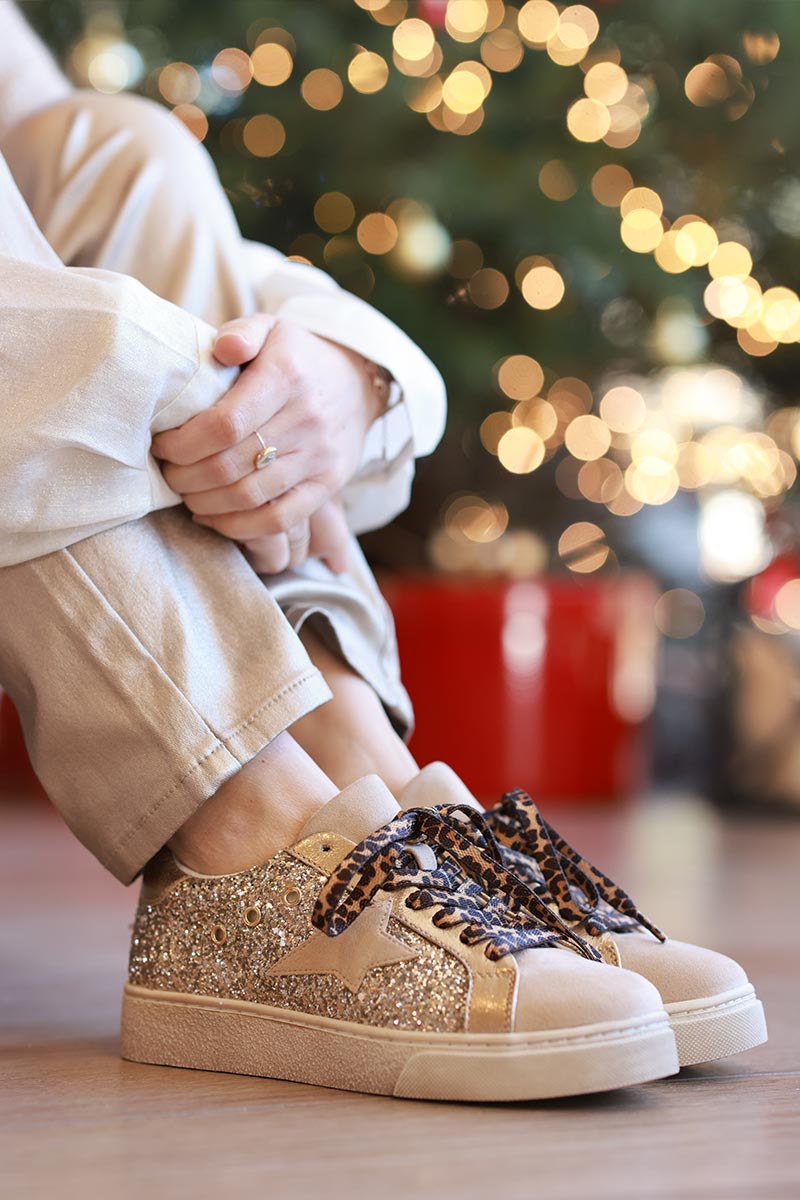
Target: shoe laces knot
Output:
[{"x": 469, "y": 886}]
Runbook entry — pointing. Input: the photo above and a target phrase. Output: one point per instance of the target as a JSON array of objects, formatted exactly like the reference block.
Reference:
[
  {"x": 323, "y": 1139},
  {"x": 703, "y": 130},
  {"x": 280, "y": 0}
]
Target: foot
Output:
[
  {"x": 383, "y": 952},
  {"x": 710, "y": 1002}
]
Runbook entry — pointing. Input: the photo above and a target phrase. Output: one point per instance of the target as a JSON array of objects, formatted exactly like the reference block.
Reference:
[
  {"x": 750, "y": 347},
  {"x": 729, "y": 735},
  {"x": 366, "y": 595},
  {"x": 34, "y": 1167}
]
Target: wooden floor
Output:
[{"x": 76, "y": 1121}]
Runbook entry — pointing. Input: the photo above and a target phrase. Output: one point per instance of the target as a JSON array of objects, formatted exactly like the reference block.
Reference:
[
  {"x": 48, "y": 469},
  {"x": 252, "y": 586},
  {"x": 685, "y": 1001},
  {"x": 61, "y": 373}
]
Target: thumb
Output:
[{"x": 240, "y": 340}]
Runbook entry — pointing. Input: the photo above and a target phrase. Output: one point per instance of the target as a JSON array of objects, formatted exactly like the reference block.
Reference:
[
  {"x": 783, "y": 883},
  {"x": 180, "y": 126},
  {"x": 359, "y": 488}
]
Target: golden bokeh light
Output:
[
  {"x": 536, "y": 414},
  {"x": 521, "y": 450},
  {"x": 426, "y": 97},
  {"x": 538, "y": 21},
  {"x": 542, "y": 287},
  {"x": 390, "y": 13},
  {"x": 667, "y": 256},
  {"x": 520, "y": 377},
  {"x": 193, "y": 118},
  {"x": 641, "y": 198},
  {"x": 606, "y": 82},
  {"x": 492, "y": 429},
  {"x": 610, "y": 184},
  {"x": 707, "y": 84},
  {"x": 695, "y": 466},
  {"x": 232, "y": 70},
  {"x": 624, "y": 505},
  {"x": 654, "y": 451},
  {"x": 641, "y": 230},
  {"x": 377, "y": 233},
  {"x": 179, "y": 83},
  {"x": 570, "y": 398},
  {"x": 466, "y": 257},
  {"x": 588, "y": 120},
  {"x": 322, "y": 89},
  {"x": 557, "y": 181},
  {"x": 623, "y": 409},
  {"x": 787, "y": 604},
  {"x": 730, "y": 258},
  {"x": 582, "y": 547},
  {"x": 760, "y": 47},
  {"x": 650, "y": 488},
  {"x": 368, "y": 72},
  {"x": 464, "y": 91},
  {"x": 488, "y": 288},
  {"x": 502, "y": 51},
  {"x": 334, "y": 212},
  {"x": 413, "y": 39},
  {"x": 579, "y": 17},
  {"x": 263, "y": 136},
  {"x": 474, "y": 519},
  {"x": 696, "y": 243},
  {"x": 600, "y": 481},
  {"x": 587, "y": 437},
  {"x": 272, "y": 64},
  {"x": 780, "y": 314},
  {"x": 679, "y": 613},
  {"x": 466, "y": 20}
]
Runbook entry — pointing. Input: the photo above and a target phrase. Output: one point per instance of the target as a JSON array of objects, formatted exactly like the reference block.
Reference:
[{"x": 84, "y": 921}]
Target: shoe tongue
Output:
[
  {"x": 356, "y": 812},
  {"x": 437, "y": 784}
]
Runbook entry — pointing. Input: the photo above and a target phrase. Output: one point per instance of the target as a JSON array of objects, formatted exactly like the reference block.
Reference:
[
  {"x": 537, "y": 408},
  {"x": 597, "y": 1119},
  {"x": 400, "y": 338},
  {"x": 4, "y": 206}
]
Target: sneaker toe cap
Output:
[
  {"x": 561, "y": 990},
  {"x": 679, "y": 970}
]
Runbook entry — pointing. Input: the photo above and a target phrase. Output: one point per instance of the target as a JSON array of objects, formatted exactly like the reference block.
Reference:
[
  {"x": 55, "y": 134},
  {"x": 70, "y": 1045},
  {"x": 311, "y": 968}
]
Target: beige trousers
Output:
[{"x": 149, "y": 662}]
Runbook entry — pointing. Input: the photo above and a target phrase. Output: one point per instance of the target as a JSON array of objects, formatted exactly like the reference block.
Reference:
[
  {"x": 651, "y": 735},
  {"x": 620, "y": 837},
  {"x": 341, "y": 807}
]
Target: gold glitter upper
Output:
[{"x": 220, "y": 937}]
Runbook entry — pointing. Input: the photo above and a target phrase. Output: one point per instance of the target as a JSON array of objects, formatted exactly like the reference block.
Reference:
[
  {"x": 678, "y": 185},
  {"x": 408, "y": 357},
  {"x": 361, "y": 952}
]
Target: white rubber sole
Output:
[
  {"x": 717, "y": 1026},
  {"x": 173, "y": 1029}
]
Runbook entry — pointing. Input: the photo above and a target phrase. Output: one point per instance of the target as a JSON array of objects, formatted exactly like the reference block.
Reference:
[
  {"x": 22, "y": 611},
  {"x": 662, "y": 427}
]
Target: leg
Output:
[
  {"x": 116, "y": 182},
  {"x": 149, "y": 665},
  {"x": 352, "y": 735}
]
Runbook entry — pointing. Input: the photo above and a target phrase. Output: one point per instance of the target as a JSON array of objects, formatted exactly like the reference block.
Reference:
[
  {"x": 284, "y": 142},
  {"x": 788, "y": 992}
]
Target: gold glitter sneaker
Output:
[
  {"x": 711, "y": 1004},
  {"x": 384, "y": 952}
]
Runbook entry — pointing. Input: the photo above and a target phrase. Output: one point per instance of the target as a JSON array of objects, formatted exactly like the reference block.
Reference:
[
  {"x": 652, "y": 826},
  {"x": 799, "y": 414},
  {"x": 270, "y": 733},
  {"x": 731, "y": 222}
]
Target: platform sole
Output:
[
  {"x": 717, "y": 1026},
  {"x": 173, "y": 1029}
]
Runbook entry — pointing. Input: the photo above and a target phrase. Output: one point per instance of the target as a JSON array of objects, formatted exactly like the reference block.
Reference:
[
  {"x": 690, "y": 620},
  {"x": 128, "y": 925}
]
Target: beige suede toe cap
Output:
[
  {"x": 679, "y": 970},
  {"x": 560, "y": 990}
]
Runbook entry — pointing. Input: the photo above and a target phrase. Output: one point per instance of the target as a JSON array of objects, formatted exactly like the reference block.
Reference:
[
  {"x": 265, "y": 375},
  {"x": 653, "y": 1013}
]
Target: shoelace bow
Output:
[
  {"x": 469, "y": 887},
  {"x": 582, "y": 894}
]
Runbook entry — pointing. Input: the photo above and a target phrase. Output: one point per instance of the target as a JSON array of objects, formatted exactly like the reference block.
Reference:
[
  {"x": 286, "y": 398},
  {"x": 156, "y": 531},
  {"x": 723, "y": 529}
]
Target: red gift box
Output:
[{"x": 544, "y": 684}]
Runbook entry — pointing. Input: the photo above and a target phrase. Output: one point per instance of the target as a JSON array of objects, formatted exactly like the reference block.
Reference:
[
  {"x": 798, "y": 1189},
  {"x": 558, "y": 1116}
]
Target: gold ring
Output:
[{"x": 266, "y": 454}]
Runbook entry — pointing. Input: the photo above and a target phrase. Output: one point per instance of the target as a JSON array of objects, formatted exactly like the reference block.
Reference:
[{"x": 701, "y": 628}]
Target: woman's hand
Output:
[
  {"x": 311, "y": 399},
  {"x": 325, "y": 536}
]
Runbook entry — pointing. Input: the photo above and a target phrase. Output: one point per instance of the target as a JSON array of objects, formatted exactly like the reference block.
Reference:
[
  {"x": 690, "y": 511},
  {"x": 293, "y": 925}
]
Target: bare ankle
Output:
[{"x": 256, "y": 813}]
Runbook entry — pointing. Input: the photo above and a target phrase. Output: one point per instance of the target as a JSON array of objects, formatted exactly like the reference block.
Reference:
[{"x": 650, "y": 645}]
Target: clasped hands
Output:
[{"x": 310, "y": 398}]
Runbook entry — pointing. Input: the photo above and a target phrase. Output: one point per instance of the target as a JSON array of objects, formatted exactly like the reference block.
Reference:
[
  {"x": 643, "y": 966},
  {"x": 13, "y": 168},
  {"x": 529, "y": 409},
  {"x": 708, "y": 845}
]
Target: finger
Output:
[
  {"x": 330, "y": 537},
  {"x": 229, "y": 466},
  {"x": 278, "y": 516},
  {"x": 240, "y": 340},
  {"x": 252, "y": 491},
  {"x": 259, "y": 393},
  {"x": 268, "y": 555},
  {"x": 298, "y": 538}
]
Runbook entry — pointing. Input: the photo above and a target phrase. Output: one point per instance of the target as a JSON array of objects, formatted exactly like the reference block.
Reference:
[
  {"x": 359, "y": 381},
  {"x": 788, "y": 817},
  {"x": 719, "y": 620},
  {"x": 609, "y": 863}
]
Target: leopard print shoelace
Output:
[
  {"x": 534, "y": 850},
  {"x": 469, "y": 887}
]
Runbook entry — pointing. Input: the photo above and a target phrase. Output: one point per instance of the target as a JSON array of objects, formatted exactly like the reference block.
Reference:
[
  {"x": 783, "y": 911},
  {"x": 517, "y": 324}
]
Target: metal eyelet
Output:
[
  {"x": 293, "y": 897},
  {"x": 252, "y": 915},
  {"x": 219, "y": 935}
]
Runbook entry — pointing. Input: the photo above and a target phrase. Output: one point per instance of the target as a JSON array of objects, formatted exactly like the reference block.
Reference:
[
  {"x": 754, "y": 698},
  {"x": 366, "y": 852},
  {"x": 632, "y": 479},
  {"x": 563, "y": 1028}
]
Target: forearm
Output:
[{"x": 93, "y": 366}]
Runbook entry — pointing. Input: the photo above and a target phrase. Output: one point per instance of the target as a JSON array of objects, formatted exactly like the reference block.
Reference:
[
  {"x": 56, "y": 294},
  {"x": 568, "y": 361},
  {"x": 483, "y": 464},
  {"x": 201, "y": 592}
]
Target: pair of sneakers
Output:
[{"x": 425, "y": 950}]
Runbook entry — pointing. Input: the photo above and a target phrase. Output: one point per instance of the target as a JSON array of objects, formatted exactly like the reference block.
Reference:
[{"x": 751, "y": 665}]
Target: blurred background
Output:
[{"x": 588, "y": 216}]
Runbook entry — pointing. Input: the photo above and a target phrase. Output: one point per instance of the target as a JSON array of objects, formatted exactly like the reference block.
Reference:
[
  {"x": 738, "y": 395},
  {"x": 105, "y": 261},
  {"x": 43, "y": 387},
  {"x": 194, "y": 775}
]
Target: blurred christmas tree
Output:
[{"x": 589, "y": 217}]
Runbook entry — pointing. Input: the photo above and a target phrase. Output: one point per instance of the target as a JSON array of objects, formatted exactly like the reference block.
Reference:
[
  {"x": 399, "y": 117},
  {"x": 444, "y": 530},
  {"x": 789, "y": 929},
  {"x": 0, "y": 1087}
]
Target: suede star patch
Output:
[{"x": 353, "y": 954}]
